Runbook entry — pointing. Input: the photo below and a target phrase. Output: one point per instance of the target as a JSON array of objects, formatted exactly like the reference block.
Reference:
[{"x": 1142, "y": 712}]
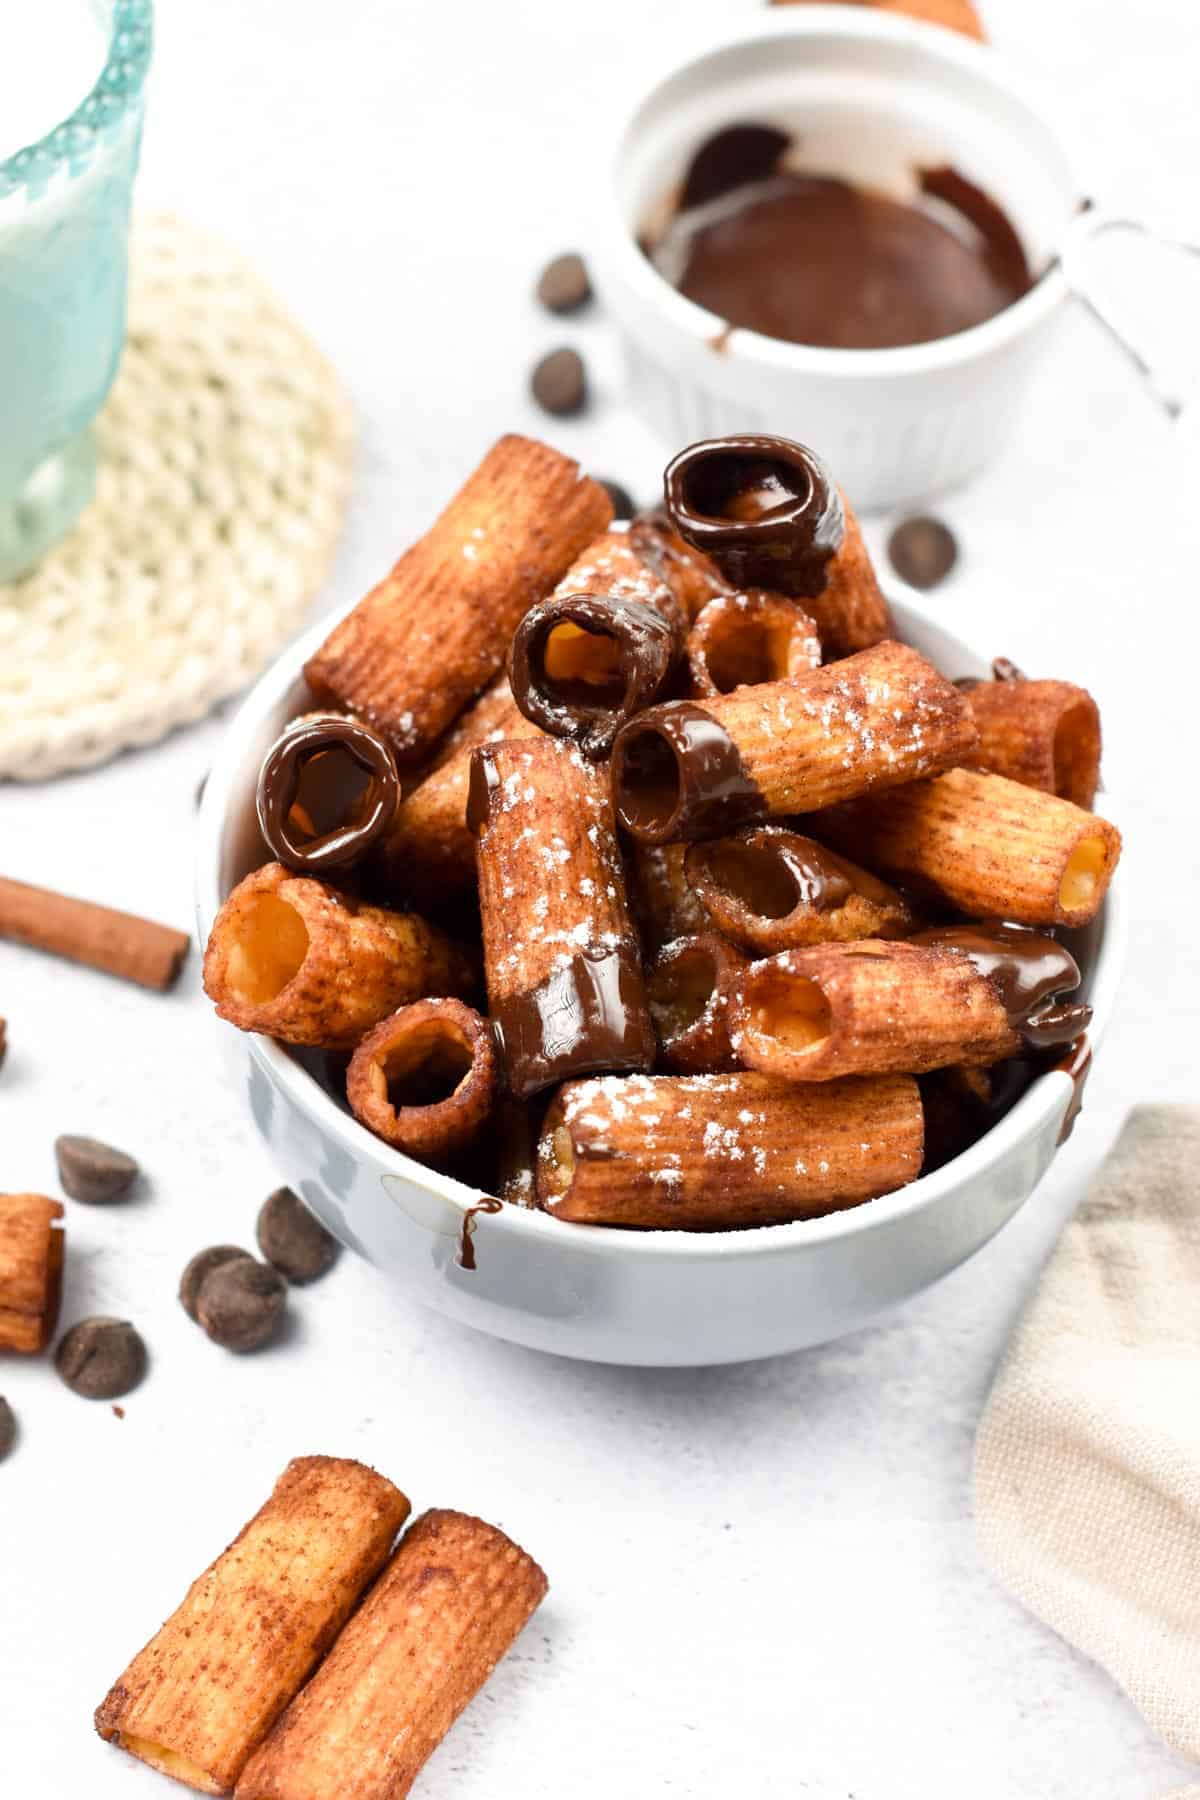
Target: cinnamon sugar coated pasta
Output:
[{"x": 694, "y": 868}]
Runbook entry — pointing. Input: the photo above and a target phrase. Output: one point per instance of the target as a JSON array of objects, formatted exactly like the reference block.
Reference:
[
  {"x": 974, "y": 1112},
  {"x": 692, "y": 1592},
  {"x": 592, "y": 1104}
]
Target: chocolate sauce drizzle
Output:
[
  {"x": 304, "y": 776},
  {"x": 1028, "y": 973},
  {"x": 589, "y": 1015},
  {"x": 466, "y": 1246},
  {"x": 677, "y": 773},
  {"x": 649, "y": 646},
  {"x": 763, "y": 508}
]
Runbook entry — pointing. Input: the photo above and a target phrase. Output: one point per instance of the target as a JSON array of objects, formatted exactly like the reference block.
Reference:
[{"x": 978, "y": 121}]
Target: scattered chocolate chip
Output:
[
  {"x": 923, "y": 551},
  {"x": 291, "y": 1239},
  {"x": 622, "y": 500},
  {"x": 119, "y": 1411},
  {"x": 1005, "y": 669},
  {"x": 563, "y": 285},
  {"x": 8, "y": 1428},
  {"x": 101, "y": 1358},
  {"x": 199, "y": 1270},
  {"x": 559, "y": 382},
  {"x": 93, "y": 1172},
  {"x": 241, "y": 1303}
]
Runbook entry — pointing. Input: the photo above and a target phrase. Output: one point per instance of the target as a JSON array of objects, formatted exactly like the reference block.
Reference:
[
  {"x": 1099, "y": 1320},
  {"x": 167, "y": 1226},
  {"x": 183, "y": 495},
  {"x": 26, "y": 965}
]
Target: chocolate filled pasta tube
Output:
[
  {"x": 425, "y": 1080},
  {"x": 290, "y": 956},
  {"x": 717, "y": 1152},
  {"x": 327, "y": 793},
  {"x": 1044, "y": 734},
  {"x": 435, "y": 631},
  {"x": 971, "y": 994},
  {"x": 692, "y": 769},
  {"x": 564, "y": 973},
  {"x": 32, "y": 1245},
  {"x": 690, "y": 984},
  {"x": 449, "y": 1605},
  {"x": 767, "y": 512},
  {"x": 429, "y": 852},
  {"x": 988, "y": 846},
  {"x": 208, "y": 1687},
  {"x": 743, "y": 640},
  {"x": 771, "y": 888}
]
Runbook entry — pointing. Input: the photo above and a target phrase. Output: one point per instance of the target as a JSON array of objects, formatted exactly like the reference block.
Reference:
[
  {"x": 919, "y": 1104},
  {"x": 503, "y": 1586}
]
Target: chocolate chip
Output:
[
  {"x": 8, "y": 1428},
  {"x": 101, "y": 1358},
  {"x": 923, "y": 551},
  {"x": 622, "y": 501},
  {"x": 559, "y": 382},
  {"x": 291, "y": 1239},
  {"x": 563, "y": 285},
  {"x": 241, "y": 1303},
  {"x": 93, "y": 1172},
  {"x": 199, "y": 1270}
]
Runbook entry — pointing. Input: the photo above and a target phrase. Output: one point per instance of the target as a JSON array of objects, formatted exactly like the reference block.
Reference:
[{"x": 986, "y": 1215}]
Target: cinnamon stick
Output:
[{"x": 118, "y": 943}]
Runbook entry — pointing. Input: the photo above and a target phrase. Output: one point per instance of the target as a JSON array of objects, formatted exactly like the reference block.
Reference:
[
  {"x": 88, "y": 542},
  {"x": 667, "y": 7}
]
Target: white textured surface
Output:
[{"x": 763, "y": 1579}]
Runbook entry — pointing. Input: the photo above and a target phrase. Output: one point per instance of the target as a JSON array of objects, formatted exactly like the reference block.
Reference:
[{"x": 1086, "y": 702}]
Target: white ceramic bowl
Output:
[
  {"x": 668, "y": 1297},
  {"x": 869, "y": 95}
]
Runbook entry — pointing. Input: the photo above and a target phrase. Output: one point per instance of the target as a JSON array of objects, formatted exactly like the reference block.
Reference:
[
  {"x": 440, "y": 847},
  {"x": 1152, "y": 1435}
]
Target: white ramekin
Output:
[
  {"x": 665, "y": 1297},
  {"x": 866, "y": 94}
]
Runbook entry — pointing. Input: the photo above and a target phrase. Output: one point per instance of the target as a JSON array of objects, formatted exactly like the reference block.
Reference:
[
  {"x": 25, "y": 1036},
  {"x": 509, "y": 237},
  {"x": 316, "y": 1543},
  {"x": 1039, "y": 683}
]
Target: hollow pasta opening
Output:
[
  {"x": 333, "y": 791},
  {"x": 1082, "y": 875},
  {"x": 579, "y": 665},
  {"x": 731, "y": 485},
  {"x": 679, "y": 990},
  {"x": 1075, "y": 753},
  {"x": 796, "y": 1015},
  {"x": 752, "y": 876},
  {"x": 426, "y": 1067},
  {"x": 648, "y": 780},
  {"x": 169, "y": 1762},
  {"x": 268, "y": 948},
  {"x": 745, "y": 651}
]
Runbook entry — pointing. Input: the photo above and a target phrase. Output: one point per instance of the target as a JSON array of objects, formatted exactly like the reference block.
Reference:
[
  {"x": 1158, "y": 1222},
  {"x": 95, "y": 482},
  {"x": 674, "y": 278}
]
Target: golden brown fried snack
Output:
[
  {"x": 450, "y": 1604},
  {"x": 292, "y": 957},
  {"x": 690, "y": 985},
  {"x": 426, "y": 1079},
  {"x": 770, "y": 888},
  {"x": 699, "y": 769},
  {"x": 717, "y": 1152},
  {"x": 32, "y": 1247},
  {"x": 663, "y": 904},
  {"x": 988, "y": 846},
  {"x": 1044, "y": 734},
  {"x": 210, "y": 1684},
  {"x": 742, "y": 640},
  {"x": 434, "y": 632}
]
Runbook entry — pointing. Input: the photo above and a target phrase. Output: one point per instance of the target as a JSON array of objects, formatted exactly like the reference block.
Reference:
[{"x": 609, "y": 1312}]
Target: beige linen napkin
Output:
[{"x": 1087, "y": 1467}]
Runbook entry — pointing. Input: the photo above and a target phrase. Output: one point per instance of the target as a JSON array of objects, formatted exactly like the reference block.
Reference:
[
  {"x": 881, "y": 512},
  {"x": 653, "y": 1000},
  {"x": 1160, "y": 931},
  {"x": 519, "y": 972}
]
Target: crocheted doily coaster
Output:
[{"x": 224, "y": 463}]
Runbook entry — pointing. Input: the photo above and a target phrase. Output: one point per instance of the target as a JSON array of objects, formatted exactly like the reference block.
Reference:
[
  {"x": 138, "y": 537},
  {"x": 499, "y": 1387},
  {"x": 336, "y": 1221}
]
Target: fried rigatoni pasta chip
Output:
[
  {"x": 450, "y": 1604},
  {"x": 1045, "y": 734},
  {"x": 210, "y": 1684},
  {"x": 435, "y": 631},
  {"x": 692, "y": 577},
  {"x": 663, "y": 903},
  {"x": 716, "y": 1152},
  {"x": 32, "y": 1246},
  {"x": 564, "y": 973},
  {"x": 770, "y": 888},
  {"x": 294, "y": 958},
  {"x": 989, "y": 846},
  {"x": 958, "y": 996},
  {"x": 743, "y": 640},
  {"x": 690, "y": 985},
  {"x": 425, "y": 1080},
  {"x": 429, "y": 851},
  {"x": 693, "y": 769}
]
